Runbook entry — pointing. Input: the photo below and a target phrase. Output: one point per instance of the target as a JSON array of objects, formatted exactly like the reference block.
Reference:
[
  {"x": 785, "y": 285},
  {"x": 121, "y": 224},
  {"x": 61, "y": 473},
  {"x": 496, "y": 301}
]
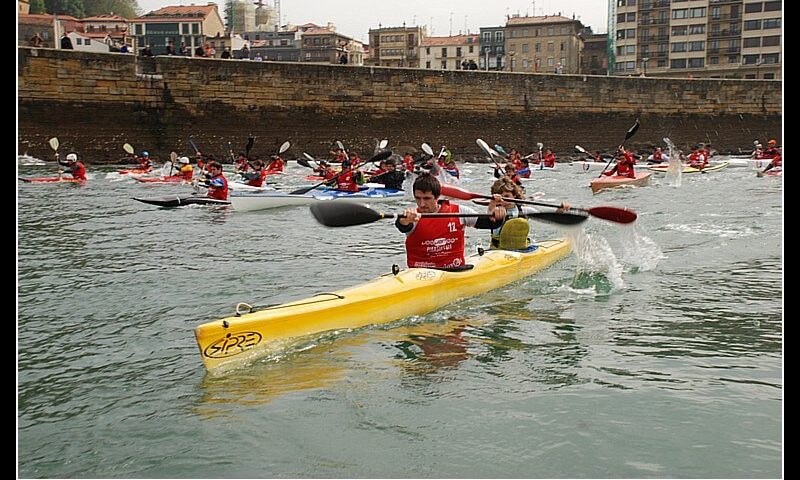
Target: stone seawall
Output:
[{"x": 95, "y": 102}]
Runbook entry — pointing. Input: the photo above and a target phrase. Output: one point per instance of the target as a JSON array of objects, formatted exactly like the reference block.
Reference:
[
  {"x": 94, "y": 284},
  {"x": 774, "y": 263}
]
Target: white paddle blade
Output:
[
  {"x": 309, "y": 157},
  {"x": 486, "y": 148},
  {"x": 579, "y": 148},
  {"x": 284, "y": 147},
  {"x": 383, "y": 143},
  {"x": 340, "y": 145},
  {"x": 540, "y": 145},
  {"x": 173, "y": 156},
  {"x": 166, "y": 169},
  {"x": 53, "y": 143},
  {"x": 128, "y": 148},
  {"x": 427, "y": 149}
]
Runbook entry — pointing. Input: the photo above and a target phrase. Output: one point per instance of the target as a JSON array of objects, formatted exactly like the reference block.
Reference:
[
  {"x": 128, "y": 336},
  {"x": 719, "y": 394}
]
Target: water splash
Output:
[
  {"x": 598, "y": 267},
  {"x": 675, "y": 169},
  {"x": 639, "y": 250}
]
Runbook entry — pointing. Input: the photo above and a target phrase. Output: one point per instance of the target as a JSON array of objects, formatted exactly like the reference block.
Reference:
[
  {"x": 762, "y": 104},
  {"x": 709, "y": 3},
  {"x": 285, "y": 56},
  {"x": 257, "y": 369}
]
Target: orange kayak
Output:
[{"x": 614, "y": 181}]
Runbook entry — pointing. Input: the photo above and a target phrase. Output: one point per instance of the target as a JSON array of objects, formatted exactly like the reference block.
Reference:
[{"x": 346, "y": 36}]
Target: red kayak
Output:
[
  {"x": 135, "y": 171},
  {"x": 170, "y": 179},
  {"x": 52, "y": 180},
  {"x": 314, "y": 178}
]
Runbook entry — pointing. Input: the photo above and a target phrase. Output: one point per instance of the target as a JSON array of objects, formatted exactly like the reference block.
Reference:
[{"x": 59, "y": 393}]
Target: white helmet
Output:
[
  {"x": 72, "y": 157},
  {"x": 184, "y": 160}
]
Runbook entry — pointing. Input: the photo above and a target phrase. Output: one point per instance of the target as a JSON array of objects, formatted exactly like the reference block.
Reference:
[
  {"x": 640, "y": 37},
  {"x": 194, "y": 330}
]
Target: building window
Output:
[
  {"x": 751, "y": 42},
  {"x": 697, "y": 62},
  {"x": 733, "y": 58},
  {"x": 458, "y": 52},
  {"x": 427, "y": 50},
  {"x": 697, "y": 46},
  {"x": 679, "y": 31},
  {"x": 498, "y": 36},
  {"x": 713, "y": 60},
  {"x": 564, "y": 30},
  {"x": 526, "y": 63},
  {"x": 471, "y": 49},
  {"x": 537, "y": 48},
  {"x": 697, "y": 29},
  {"x": 772, "y": 23},
  {"x": 524, "y": 48},
  {"x": 630, "y": 33},
  {"x": 679, "y": 47},
  {"x": 697, "y": 12},
  {"x": 769, "y": 76},
  {"x": 772, "y": 6},
  {"x": 525, "y": 32},
  {"x": 78, "y": 41},
  {"x": 680, "y": 13},
  {"x": 752, "y": 7},
  {"x": 428, "y": 64},
  {"x": 487, "y": 37},
  {"x": 195, "y": 28},
  {"x": 139, "y": 29},
  {"x": 767, "y": 58},
  {"x": 551, "y": 47},
  {"x": 550, "y": 61},
  {"x": 444, "y": 64},
  {"x": 677, "y": 63},
  {"x": 444, "y": 52},
  {"x": 630, "y": 66},
  {"x": 630, "y": 49},
  {"x": 752, "y": 25},
  {"x": 563, "y": 46},
  {"x": 564, "y": 62},
  {"x": 749, "y": 59},
  {"x": 631, "y": 17},
  {"x": 771, "y": 41}
]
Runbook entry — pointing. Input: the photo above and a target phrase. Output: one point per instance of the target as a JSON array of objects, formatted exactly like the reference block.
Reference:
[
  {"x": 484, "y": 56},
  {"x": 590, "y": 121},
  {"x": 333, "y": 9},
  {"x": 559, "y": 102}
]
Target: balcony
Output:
[
  {"x": 653, "y": 38},
  {"x": 725, "y": 16},
  {"x": 656, "y": 4},
  {"x": 653, "y": 21},
  {"x": 725, "y": 33}
]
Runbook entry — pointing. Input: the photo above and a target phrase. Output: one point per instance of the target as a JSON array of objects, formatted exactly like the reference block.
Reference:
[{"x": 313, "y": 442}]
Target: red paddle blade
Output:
[
  {"x": 613, "y": 214},
  {"x": 460, "y": 193}
]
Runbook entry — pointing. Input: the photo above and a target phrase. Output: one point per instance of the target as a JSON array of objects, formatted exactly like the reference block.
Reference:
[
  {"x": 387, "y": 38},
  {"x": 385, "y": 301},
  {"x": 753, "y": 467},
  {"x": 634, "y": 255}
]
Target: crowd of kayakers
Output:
[{"x": 430, "y": 241}]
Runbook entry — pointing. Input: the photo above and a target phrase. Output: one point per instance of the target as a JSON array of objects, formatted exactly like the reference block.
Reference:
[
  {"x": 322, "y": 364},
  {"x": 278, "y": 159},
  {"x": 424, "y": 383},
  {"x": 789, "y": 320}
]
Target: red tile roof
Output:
[
  {"x": 446, "y": 41},
  {"x": 177, "y": 13}
]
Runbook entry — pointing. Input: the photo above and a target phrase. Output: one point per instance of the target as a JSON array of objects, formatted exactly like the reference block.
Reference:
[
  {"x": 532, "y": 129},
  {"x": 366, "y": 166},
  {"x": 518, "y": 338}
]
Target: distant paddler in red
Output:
[
  {"x": 144, "y": 162},
  {"x": 217, "y": 183},
  {"x": 697, "y": 158},
  {"x": 624, "y": 166},
  {"x": 185, "y": 169},
  {"x": 256, "y": 177},
  {"x": 408, "y": 162},
  {"x": 76, "y": 168},
  {"x": 276, "y": 164},
  {"x": 346, "y": 181}
]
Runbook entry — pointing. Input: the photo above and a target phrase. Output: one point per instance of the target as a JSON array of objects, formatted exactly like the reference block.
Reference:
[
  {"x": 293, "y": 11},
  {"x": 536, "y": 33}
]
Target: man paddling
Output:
[
  {"x": 76, "y": 168},
  {"x": 217, "y": 183},
  {"x": 439, "y": 242},
  {"x": 624, "y": 166}
]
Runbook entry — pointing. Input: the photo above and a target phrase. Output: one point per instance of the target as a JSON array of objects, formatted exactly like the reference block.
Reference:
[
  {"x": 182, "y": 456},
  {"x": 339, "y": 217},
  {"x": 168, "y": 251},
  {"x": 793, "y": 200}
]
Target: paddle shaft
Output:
[{"x": 628, "y": 135}]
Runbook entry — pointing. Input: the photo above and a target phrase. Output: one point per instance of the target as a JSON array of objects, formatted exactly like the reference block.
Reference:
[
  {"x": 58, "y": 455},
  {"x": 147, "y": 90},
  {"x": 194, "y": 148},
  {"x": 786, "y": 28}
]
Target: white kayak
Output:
[
  {"x": 238, "y": 186},
  {"x": 248, "y": 202},
  {"x": 585, "y": 166}
]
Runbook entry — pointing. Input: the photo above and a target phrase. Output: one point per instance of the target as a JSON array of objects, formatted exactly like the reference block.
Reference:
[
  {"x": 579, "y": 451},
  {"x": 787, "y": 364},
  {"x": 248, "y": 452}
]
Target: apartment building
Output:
[
  {"x": 493, "y": 48},
  {"x": 195, "y": 25},
  {"x": 550, "y": 44},
  {"x": 395, "y": 46},
  {"x": 698, "y": 38},
  {"x": 459, "y": 52}
]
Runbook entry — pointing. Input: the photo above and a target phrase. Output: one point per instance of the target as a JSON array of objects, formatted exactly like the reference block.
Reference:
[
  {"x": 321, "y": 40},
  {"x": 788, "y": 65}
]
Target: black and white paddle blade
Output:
[{"x": 332, "y": 213}]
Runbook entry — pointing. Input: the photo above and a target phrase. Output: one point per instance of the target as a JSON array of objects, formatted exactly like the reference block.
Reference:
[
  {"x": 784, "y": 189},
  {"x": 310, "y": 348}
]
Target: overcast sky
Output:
[{"x": 354, "y": 18}]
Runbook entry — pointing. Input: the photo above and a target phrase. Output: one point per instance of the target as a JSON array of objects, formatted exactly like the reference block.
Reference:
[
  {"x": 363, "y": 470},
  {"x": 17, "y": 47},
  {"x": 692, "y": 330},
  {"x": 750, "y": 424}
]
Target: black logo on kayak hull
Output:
[{"x": 231, "y": 344}]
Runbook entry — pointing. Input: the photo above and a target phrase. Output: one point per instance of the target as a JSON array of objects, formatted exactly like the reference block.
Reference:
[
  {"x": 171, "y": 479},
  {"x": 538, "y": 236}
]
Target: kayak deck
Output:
[
  {"x": 381, "y": 300},
  {"x": 179, "y": 201},
  {"x": 604, "y": 182}
]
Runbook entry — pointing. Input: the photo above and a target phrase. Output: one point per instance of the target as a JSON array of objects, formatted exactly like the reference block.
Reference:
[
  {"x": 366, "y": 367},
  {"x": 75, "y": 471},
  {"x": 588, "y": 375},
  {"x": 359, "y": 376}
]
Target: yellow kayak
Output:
[
  {"x": 688, "y": 169},
  {"x": 414, "y": 291}
]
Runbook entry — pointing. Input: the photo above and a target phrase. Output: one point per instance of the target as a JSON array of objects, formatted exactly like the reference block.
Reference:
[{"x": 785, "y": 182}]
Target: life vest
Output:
[{"x": 437, "y": 242}]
